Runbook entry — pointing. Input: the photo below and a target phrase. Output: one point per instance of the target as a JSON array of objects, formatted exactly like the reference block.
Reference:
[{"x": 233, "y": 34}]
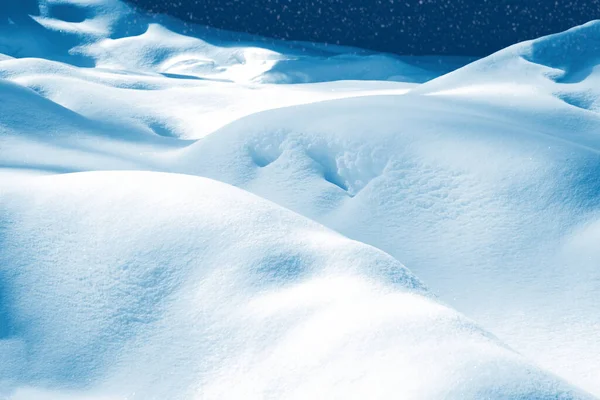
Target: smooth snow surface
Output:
[
  {"x": 170, "y": 196},
  {"x": 151, "y": 285}
]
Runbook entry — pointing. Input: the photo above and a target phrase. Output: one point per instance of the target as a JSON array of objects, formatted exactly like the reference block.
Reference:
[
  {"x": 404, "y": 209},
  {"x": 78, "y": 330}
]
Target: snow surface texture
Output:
[{"x": 211, "y": 271}]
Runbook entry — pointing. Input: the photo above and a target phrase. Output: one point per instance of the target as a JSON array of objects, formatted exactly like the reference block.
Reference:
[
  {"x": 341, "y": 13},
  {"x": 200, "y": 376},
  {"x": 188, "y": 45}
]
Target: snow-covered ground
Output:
[{"x": 170, "y": 196}]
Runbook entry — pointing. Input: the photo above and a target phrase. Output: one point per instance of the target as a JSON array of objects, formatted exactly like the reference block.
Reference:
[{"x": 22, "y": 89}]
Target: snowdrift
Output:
[
  {"x": 152, "y": 286},
  {"x": 168, "y": 284},
  {"x": 170, "y": 79},
  {"x": 465, "y": 167},
  {"x": 560, "y": 67},
  {"x": 110, "y": 34}
]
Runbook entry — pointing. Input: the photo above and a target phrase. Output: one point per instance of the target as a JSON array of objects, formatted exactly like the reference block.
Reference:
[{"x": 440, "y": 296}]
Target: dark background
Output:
[{"x": 455, "y": 27}]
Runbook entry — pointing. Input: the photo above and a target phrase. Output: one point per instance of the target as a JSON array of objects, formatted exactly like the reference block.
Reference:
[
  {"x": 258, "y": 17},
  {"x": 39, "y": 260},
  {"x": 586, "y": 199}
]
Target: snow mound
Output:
[
  {"x": 38, "y": 134},
  {"x": 476, "y": 184},
  {"x": 152, "y": 286},
  {"x": 159, "y": 75},
  {"x": 166, "y": 106},
  {"x": 562, "y": 66},
  {"x": 109, "y": 34}
]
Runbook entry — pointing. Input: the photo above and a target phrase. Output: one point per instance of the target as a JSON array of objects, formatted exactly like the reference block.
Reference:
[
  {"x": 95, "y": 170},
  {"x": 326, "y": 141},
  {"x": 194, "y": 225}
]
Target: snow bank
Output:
[
  {"x": 166, "y": 106},
  {"x": 157, "y": 74},
  {"x": 170, "y": 79},
  {"x": 36, "y": 133},
  {"x": 109, "y": 34},
  {"x": 461, "y": 198},
  {"x": 560, "y": 67},
  {"x": 152, "y": 286},
  {"x": 484, "y": 181}
]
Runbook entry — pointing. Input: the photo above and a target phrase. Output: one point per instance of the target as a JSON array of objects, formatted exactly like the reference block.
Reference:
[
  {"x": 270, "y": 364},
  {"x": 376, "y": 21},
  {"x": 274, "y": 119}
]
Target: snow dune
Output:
[
  {"x": 135, "y": 55},
  {"x": 170, "y": 283},
  {"x": 149, "y": 285},
  {"x": 563, "y": 66},
  {"x": 462, "y": 199}
]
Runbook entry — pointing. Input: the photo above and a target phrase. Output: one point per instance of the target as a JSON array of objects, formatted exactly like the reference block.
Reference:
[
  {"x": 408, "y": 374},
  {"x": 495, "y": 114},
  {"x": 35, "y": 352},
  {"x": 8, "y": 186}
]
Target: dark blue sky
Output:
[{"x": 457, "y": 27}]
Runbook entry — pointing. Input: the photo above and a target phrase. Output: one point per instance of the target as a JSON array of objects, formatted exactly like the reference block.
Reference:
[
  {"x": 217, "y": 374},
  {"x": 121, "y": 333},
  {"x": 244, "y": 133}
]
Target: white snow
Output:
[
  {"x": 131, "y": 269},
  {"x": 150, "y": 285}
]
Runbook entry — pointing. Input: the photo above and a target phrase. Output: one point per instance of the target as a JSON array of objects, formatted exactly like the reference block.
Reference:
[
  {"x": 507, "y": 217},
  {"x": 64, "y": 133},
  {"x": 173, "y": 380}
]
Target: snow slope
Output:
[
  {"x": 152, "y": 286},
  {"x": 483, "y": 181},
  {"x": 485, "y": 202},
  {"x": 167, "y": 73},
  {"x": 563, "y": 66},
  {"x": 462, "y": 199}
]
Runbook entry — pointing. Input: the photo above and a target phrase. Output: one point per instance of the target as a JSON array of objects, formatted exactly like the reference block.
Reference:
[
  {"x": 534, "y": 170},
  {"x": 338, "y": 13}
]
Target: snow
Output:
[
  {"x": 563, "y": 66},
  {"x": 191, "y": 213},
  {"x": 114, "y": 279}
]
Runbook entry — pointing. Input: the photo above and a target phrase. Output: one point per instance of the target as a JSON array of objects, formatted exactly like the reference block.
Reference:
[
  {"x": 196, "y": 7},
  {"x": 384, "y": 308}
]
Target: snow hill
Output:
[
  {"x": 150, "y": 285},
  {"x": 189, "y": 213},
  {"x": 563, "y": 65}
]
